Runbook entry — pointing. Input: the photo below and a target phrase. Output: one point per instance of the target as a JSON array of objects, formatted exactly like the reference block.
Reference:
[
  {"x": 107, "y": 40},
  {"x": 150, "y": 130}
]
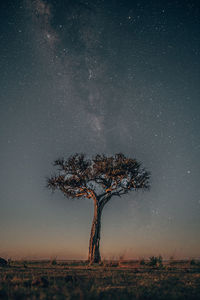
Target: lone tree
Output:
[{"x": 99, "y": 178}]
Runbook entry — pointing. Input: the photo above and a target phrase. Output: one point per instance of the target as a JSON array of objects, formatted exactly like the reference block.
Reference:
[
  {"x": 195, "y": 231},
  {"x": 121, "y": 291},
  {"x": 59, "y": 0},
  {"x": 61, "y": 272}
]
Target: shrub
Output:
[
  {"x": 3, "y": 262},
  {"x": 192, "y": 262},
  {"x": 142, "y": 262},
  {"x": 53, "y": 261},
  {"x": 155, "y": 261}
]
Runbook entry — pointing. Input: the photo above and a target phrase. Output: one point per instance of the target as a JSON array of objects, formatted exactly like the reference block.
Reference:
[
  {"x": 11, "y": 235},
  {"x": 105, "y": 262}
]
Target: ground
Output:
[{"x": 112, "y": 280}]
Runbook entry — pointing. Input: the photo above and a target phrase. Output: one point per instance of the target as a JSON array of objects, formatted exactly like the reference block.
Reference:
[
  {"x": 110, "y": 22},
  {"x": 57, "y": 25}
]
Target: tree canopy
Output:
[{"x": 98, "y": 177}]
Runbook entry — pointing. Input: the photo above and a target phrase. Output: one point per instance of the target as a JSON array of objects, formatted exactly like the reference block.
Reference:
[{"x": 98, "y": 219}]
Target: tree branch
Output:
[
  {"x": 105, "y": 200},
  {"x": 116, "y": 175}
]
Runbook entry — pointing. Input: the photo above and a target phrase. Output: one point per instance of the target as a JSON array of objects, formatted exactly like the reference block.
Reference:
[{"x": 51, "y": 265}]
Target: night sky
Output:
[{"x": 100, "y": 77}]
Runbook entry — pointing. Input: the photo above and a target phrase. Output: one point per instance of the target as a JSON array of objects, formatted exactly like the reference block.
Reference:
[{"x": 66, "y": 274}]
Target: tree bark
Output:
[{"x": 94, "y": 253}]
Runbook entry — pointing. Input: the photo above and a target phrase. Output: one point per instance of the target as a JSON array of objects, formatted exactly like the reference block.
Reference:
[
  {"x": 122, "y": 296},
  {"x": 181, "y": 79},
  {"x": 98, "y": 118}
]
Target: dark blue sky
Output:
[{"x": 93, "y": 77}]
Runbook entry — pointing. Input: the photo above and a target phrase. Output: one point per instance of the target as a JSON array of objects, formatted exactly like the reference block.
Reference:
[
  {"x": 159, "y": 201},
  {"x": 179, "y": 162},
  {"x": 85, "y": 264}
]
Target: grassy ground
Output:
[{"x": 112, "y": 280}]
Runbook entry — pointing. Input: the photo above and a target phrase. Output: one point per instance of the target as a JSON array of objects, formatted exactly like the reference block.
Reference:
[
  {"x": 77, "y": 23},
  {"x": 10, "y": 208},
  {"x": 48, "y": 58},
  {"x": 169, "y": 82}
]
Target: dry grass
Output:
[{"x": 111, "y": 280}]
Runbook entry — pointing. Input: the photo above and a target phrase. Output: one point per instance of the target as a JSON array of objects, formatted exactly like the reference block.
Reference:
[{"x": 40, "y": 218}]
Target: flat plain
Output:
[{"x": 110, "y": 280}]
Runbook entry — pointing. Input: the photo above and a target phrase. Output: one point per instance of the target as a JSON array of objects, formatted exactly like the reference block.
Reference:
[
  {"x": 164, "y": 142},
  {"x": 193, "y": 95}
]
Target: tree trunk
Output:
[{"x": 94, "y": 253}]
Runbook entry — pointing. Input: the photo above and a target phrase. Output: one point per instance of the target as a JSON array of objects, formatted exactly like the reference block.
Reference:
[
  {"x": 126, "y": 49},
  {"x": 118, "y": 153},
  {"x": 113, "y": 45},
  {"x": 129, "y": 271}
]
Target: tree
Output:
[{"x": 99, "y": 178}]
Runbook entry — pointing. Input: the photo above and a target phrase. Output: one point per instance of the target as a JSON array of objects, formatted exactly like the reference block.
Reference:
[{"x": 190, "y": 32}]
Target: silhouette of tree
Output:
[{"x": 99, "y": 178}]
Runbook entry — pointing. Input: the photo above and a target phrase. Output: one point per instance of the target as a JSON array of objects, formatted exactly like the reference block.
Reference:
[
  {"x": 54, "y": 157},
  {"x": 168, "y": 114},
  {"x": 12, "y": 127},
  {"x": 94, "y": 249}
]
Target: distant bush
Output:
[
  {"x": 155, "y": 261},
  {"x": 193, "y": 262},
  {"x": 3, "y": 262},
  {"x": 53, "y": 261},
  {"x": 142, "y": 262}
]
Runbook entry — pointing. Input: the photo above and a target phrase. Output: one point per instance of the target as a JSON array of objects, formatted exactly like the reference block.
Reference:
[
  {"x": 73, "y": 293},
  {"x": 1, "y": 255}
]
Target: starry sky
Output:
[{"x": 100, "y": 76}]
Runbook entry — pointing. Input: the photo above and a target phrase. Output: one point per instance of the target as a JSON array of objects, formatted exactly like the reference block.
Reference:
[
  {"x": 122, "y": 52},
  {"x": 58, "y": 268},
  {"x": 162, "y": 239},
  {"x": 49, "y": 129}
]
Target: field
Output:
[{"x": 111, "y": 280}]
